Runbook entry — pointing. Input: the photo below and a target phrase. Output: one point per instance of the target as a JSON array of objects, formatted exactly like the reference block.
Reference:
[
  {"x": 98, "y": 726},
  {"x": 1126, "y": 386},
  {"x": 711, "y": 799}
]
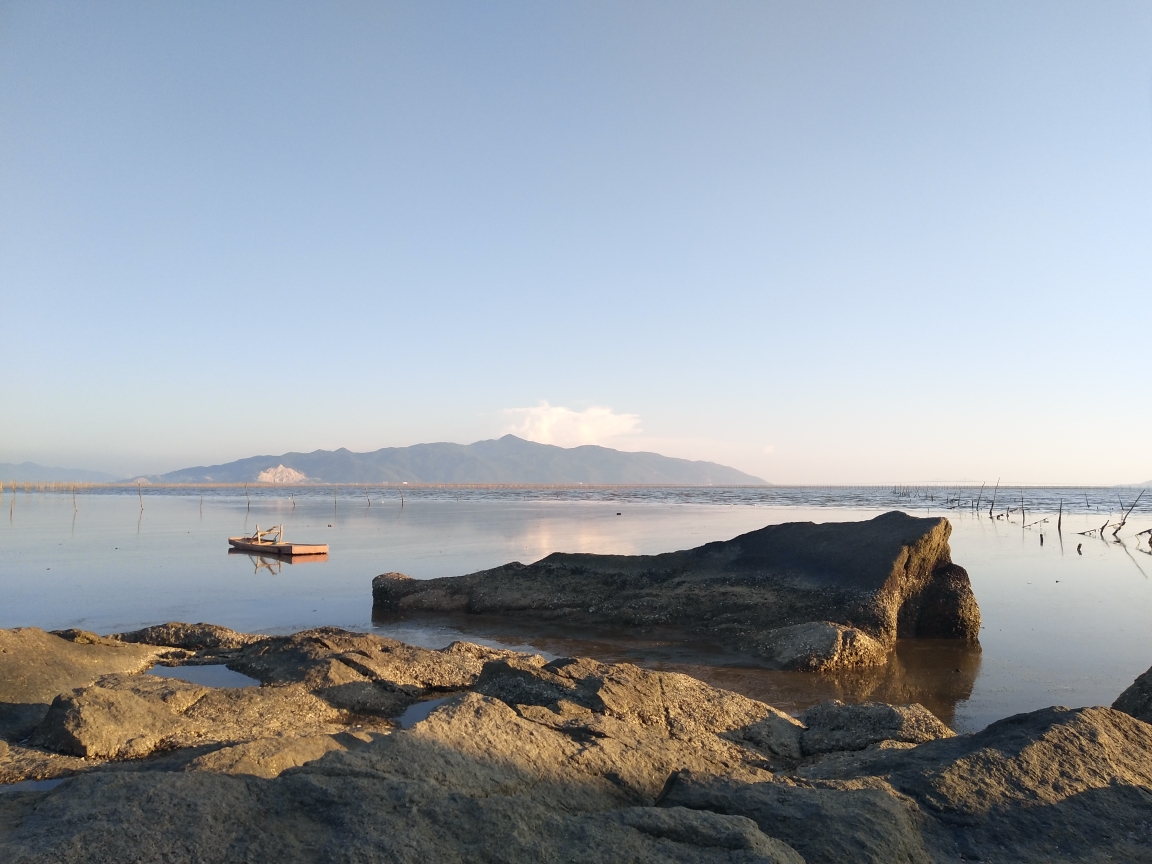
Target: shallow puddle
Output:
[
  {"x": 205, "y": 676},
  {"x": 413, "y": 714}
]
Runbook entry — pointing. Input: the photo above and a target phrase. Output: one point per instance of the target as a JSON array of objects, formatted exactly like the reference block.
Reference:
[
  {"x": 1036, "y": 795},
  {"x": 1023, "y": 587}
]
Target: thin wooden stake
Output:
[{"x": 1125, "y": 519}]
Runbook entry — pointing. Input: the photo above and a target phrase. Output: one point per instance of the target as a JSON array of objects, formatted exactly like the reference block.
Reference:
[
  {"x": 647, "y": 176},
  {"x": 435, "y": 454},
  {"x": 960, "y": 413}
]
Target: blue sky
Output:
[{"x": 821, "y": 242}]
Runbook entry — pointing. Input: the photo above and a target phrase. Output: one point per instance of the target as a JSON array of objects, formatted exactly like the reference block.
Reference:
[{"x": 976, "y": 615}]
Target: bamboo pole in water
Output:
[{"x": 1125, "y": 519}]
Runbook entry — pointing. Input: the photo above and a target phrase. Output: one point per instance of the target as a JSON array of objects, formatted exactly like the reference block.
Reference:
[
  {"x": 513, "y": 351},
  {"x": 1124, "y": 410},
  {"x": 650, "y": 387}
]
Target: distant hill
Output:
[
  {"x": 504, "y": 460},
  {"x": 32, "y": 472}
]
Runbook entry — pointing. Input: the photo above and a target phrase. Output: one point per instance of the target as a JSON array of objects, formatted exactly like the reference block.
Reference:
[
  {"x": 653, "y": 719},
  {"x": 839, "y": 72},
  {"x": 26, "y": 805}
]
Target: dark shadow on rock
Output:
[
  {"x": 826, "y": 826},
  {"x": 18, "y": 719},
  {"x": 479, "y": 784},
  {"x": 1113, "y": 823}
]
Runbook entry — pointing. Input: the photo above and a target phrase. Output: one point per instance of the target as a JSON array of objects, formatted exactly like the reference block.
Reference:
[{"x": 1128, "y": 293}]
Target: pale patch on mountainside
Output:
[{"x": 280, "y": 474}]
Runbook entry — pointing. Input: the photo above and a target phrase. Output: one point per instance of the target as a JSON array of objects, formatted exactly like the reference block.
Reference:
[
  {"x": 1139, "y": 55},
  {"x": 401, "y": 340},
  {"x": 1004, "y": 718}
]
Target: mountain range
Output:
[
  {"x": 33, "y": 473},
  {"x": 503, "y": 460}
]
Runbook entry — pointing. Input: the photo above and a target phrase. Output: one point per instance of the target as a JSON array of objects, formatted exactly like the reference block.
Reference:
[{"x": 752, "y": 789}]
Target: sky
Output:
[{"x": 822, "y": 242}]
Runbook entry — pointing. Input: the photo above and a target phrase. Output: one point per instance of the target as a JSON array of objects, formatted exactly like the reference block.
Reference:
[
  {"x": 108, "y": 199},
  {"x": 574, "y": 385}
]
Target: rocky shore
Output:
[
  {"x": 800, "y": 596},
  {"x": 361, "y": 748}
]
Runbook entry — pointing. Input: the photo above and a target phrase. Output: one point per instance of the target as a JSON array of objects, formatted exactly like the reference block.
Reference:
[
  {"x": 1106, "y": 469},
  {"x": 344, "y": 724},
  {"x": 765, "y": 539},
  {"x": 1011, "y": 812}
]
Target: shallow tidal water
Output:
[{"x": 1061, "y": 626}]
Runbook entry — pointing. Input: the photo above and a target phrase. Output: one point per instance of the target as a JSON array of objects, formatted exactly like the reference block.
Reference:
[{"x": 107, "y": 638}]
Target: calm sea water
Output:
[{"x": 1062, "y": 625}]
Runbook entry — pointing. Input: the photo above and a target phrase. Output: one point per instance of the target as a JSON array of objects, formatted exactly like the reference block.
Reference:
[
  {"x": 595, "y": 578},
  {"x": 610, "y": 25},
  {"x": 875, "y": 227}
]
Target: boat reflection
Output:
[{"x": 275, "y": 563}]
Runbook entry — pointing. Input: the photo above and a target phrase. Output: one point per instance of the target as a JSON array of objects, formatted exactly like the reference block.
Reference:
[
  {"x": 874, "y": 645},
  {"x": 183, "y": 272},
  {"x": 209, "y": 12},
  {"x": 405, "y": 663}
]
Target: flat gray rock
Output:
[
  {"x": 96, "y": 722},
  {"x": 36, "y": 666},
  {"x": 834, "y": 726}
]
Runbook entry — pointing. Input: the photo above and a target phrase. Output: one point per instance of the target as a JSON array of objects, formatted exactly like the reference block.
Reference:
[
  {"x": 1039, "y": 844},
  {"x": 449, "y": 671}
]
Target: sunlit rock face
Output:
[{"x": 801, "y": 595}]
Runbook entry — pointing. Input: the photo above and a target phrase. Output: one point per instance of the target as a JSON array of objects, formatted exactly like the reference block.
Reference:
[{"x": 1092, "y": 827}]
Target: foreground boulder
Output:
[
  {"x": 126, "y": 717},
  {"x": 571, "y": 760},
  {"x": 35, "y": 666},
  {"x": 473, "y": 782},
  {"x": 801, "y": 595}
]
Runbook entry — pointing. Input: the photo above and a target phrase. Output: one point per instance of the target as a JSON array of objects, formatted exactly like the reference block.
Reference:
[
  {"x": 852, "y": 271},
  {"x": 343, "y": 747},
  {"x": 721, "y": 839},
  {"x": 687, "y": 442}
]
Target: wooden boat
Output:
[{"x": 271, "y": 542}]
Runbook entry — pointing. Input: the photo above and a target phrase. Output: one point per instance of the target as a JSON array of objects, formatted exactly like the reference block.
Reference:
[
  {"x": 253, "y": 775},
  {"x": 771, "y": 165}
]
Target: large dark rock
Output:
[{"x": 800, "y": 595}]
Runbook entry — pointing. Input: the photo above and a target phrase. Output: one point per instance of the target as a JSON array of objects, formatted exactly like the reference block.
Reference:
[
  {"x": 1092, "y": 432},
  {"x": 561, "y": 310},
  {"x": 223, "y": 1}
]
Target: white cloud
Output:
[{"x": 554, "y": 424}]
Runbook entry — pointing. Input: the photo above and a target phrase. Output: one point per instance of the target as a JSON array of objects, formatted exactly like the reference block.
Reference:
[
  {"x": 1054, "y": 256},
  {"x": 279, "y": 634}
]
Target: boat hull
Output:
[{"x": 246, "y": 545}]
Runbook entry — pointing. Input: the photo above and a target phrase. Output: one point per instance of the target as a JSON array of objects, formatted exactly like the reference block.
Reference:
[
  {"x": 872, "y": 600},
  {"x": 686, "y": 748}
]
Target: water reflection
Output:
[
  {"x": 275, "y": 563},
  {"x": 1060, "y": 627},
  {"x": 937, "y": 673}
]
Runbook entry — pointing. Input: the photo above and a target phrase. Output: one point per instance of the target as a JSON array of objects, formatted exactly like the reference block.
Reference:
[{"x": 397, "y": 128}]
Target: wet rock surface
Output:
[
  {"x": 525, "y": 760},
  {"x": 800, "y": 595}
]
